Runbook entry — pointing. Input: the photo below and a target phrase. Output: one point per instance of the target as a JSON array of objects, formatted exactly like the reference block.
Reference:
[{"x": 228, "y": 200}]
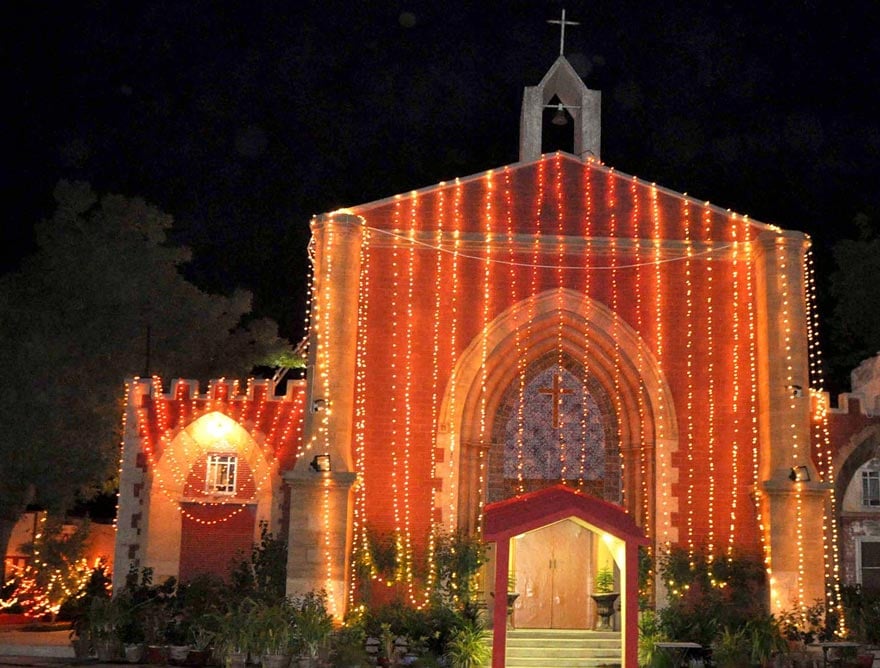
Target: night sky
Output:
[{"x": 242, "y": 119}]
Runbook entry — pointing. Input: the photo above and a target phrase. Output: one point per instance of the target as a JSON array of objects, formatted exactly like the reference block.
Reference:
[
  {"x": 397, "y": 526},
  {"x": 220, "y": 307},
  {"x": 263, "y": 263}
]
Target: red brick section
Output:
[
  {"x": 210, "y": 549},
  {"x": 587, "y": 189}
]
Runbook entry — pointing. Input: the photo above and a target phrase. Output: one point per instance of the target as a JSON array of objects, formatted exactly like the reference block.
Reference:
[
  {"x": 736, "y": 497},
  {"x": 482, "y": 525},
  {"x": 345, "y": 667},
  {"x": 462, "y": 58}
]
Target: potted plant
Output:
[
  {"x": 605, "y": 597},
  {"x": 155, "y": 619},
  {"x": 201, "y": 635},
  {"x": 80, "y": 637},
  {"x": 105, "y": 619},
  {"x": 731, "y": 649},
  {"x": 765, "y": 638},
  {"x": 312, "y": 624},
  {"x": 348, "y": 647},
  {"x": 131, "y": 634},
  {"x": 468, "y": 646},
  {"x": 275, "y": 634},
  {"x": 237, "y": 634}
]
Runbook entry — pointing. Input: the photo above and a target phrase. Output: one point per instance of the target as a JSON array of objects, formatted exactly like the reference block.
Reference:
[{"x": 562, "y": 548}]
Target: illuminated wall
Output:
[
  {"x": 683, "y": 318},
  {"x": 166, "y": 519}
]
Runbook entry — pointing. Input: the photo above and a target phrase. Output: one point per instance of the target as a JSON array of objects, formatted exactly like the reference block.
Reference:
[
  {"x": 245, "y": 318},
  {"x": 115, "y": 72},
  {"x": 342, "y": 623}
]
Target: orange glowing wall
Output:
[{"x": 693, "y": 305}]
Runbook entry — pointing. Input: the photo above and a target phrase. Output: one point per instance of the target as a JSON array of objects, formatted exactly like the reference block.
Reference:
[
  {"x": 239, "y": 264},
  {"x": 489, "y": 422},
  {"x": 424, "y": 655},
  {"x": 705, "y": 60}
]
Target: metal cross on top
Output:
[
  {"x": 556, "y": 392},
  {"x": 562, "y": 23}
]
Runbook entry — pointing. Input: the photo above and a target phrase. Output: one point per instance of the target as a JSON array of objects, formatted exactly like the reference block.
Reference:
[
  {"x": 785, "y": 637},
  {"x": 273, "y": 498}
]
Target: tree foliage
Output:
[
  {"x": 855, "y": 327},
  {"x": 76, "y": 321}
]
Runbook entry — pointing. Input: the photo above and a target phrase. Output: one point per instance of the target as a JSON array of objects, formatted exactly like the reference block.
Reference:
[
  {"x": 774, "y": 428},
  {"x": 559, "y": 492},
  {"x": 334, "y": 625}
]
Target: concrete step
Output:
[{"x": 562, "y": 648}]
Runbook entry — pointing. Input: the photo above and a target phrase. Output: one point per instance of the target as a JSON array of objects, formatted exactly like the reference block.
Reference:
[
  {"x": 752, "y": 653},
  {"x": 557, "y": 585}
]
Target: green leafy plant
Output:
[
  {"x": 731, "y": 649},
  {"x": 457, "y": 561},
  {"x": 604, "y": 582},
  {"x": 312, "y": 621},
  {"x": 263, "y": 575},
  {"x": 468, "y": 646},
  {"x": 650, "y": 633},
  {"x": 764, "y": 636}
]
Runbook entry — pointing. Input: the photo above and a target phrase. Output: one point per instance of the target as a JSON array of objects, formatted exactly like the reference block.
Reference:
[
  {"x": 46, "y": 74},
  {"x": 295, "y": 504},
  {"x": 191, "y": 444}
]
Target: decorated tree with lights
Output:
[{"x": 103, "y": 298}]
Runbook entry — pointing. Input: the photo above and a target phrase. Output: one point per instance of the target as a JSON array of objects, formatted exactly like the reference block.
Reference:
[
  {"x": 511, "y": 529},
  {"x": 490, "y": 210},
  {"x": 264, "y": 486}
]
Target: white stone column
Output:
[
  {"x": 791, "y": 512},
  {"x": 319, "y": 543}
]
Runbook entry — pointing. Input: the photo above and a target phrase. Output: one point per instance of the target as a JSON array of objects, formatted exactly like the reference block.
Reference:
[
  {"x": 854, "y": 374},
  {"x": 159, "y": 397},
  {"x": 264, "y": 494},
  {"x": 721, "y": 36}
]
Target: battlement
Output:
[
  {"x": 853, "y": 403},
  {"x": 221, "y": 390}
]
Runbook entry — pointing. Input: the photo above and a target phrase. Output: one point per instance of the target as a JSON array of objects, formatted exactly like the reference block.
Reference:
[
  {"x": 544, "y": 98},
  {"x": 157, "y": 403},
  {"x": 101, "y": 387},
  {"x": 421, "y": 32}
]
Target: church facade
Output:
[{"x": 550, "y": 323}]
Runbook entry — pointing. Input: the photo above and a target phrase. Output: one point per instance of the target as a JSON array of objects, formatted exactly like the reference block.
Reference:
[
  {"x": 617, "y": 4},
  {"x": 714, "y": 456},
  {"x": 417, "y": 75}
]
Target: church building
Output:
[{"x": 554, "y": 355}]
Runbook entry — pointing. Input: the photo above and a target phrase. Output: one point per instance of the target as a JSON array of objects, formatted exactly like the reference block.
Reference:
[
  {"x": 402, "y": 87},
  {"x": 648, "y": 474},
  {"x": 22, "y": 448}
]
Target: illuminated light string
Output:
[
  {"x": 611, "y": 202},
  {"x": 394, "y": 410},
  {"x": 753, "y": 403},
  {"x": 710, "y": 381},
  {"x": 640, "y": 356},
  {"x": 324, "y": 428},
  {"x": 520, "y": 356},
  {"x": 453, "y": 342},
  {"x": 530, "y": 314},
  {"x": 736, "y": 390},
  {"x": 585, "y": 362},
  {"x": 408, "y": 410},
  {"x": 435, "y": 387},
  {"x": 796, "y": 446},
  {"x": 613, "y": 267},
  {"x": 362, "y": 556},
  {"x": 488, "y": 228},
  {"x": 560, "y": 258},
  {"x": 660, "y": 428},
  {"x": 689, "y": 372},
  {"x": 822, "y": 447}
]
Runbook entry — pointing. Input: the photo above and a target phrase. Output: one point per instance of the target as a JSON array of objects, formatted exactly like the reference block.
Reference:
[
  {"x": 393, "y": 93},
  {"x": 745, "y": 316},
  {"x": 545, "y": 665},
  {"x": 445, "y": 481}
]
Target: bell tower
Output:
[{"x": 584, "y": 105}]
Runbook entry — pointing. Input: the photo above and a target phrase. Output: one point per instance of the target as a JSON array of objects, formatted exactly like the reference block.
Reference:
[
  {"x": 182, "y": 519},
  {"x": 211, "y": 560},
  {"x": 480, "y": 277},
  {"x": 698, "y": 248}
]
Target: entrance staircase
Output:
[{"x": 553, "y": 648}]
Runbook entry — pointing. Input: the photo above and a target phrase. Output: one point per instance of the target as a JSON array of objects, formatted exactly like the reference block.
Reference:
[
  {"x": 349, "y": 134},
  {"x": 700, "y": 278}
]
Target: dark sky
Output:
[{"x": 242, "y": 119}]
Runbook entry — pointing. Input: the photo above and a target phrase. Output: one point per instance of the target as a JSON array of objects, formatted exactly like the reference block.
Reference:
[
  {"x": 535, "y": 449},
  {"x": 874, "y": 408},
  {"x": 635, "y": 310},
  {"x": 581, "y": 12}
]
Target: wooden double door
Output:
[{"x": 553, "y": 567}]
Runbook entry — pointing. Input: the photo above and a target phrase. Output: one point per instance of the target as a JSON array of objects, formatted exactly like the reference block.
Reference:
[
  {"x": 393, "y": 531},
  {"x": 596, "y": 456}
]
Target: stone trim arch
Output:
[
  {"x": 583, "y": 325},
  {"x": 212, "y": 432},
  {"x": 861, "y": 447}
]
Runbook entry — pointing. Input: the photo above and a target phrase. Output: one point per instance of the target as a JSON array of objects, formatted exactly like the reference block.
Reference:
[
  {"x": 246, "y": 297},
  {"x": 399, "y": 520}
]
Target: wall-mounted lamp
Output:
[
  {"x": 799, "y": 474},
  {"x": 318, "y": 405},
  {"x": 320, "y": 463},
  {"x": 796, "y": 390}
]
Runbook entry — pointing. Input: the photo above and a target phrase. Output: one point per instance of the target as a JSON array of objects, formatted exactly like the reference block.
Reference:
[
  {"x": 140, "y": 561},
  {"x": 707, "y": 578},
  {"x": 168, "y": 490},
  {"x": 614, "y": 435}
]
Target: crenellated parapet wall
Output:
[{"x": 167, "y": 433}]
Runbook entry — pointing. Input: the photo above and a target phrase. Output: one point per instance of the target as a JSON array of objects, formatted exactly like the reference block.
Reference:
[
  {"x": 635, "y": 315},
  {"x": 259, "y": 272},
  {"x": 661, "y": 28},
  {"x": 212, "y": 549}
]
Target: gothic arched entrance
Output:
[{"x": 557, "y": 390}]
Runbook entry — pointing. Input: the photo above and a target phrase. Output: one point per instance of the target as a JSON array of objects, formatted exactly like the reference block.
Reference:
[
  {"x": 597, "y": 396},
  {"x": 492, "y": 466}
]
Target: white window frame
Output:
[
  {"x": 859, "y": 543},
  {"x": 221, "y": 474},
  {"x": 870, "y": 492}
]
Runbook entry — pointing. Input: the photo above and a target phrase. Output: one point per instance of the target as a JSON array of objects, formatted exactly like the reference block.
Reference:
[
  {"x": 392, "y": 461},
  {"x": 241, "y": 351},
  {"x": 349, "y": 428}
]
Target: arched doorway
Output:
[
  {"x": 559, "y": 509},
  {"x": 580, "y": 343}
]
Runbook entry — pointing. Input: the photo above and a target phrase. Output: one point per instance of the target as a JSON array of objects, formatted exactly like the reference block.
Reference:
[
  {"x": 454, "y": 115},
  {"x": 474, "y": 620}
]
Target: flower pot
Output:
[
  {"x": 82, "y": 647},
  {"x": 274, "y": 660},
  {"x": 235, "y": 659},
  {"x": 156, "y": 654},
  {"x": 198, "y": 657},
  {"x": 107, "y": 650},
  {"x": 134, "y": 652},
  {"x": 177, "y": 654},
  {"x": 605, "y": 609}
]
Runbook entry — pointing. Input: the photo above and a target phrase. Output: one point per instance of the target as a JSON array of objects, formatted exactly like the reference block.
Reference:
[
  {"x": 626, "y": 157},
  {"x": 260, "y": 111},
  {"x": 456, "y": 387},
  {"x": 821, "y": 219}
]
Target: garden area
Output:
[{"x": 718, "y": 605}]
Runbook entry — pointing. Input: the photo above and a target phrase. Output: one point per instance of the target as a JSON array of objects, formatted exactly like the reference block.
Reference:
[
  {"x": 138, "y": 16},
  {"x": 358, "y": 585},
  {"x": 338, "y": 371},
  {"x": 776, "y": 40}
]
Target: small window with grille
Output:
[{"x": 220, "y": 478}]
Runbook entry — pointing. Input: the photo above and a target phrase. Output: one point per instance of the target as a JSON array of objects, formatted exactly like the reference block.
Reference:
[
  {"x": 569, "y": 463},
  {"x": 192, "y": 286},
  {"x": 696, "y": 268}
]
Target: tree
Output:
[
  {"x": 855, "y": 327},
  {"x": 77, "y": 319}
]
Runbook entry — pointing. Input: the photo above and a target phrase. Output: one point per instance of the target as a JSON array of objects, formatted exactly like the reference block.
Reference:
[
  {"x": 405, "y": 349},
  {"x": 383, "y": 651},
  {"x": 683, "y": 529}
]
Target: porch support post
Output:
[
  {"x": 499, "y": 617},
  {"x": 631, "y": 605}
]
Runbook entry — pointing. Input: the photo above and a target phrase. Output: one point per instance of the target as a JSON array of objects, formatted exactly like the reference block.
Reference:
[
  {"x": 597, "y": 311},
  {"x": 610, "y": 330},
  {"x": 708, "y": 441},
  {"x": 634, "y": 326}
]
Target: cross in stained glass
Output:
[{"x": 556, "y": 392}]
